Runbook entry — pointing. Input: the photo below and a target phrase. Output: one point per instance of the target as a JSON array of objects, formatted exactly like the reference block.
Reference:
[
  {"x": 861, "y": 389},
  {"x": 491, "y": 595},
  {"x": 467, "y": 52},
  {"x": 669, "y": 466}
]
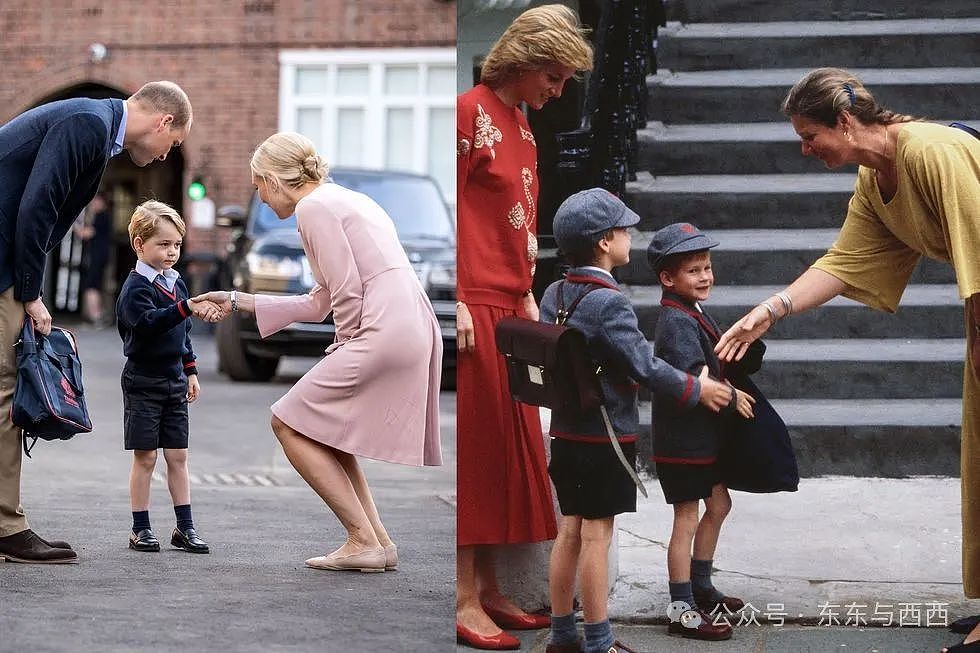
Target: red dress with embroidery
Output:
[{"x": 503, "y": 490}]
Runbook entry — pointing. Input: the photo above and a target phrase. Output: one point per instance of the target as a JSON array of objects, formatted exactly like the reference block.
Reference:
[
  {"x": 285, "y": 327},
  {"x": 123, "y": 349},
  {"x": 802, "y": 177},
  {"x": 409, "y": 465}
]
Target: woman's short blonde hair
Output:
[
  {"x": 288, "y": 159},
  {"x": 545, "y": 35},
  {"x": 823, "y": 94},
  {"x": 146, "y": 220}
]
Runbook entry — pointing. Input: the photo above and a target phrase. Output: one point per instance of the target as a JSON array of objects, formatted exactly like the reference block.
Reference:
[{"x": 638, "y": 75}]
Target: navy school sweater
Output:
[{"x": 154, "y": 326}]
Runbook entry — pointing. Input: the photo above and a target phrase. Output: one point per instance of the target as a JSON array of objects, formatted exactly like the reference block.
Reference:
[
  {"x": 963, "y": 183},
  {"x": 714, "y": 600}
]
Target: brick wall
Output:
[{"x": 224, "y": 53}]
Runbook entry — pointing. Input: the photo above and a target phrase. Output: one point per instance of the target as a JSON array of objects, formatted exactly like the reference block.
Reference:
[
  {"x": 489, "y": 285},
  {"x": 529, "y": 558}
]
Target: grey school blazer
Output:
[{"x": 607, "y": 319}]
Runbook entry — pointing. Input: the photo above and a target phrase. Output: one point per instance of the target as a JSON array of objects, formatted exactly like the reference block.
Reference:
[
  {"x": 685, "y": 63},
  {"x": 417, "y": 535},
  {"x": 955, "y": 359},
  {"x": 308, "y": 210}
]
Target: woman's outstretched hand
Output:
[
  {"x": 735, "y": 342},
  {"x": 220, "y": 300}
]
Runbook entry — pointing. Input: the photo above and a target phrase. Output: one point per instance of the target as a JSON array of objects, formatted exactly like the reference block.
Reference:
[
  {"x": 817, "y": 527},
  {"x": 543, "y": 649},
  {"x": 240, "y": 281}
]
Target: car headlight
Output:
[{"x": 278, "y": 267}]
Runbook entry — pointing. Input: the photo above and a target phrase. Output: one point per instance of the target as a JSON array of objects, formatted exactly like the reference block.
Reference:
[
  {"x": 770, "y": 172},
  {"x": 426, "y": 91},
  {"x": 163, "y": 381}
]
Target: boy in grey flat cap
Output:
[
  {"x": 591, "y": 483},
  {"x": 687, "y": 439}
]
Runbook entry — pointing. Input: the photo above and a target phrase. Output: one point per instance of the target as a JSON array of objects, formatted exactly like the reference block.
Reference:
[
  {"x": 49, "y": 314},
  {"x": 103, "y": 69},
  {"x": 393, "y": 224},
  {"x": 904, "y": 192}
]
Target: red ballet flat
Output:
[
  {"x": 518, "y": 621},
  {"x": 499, "y": 642}
]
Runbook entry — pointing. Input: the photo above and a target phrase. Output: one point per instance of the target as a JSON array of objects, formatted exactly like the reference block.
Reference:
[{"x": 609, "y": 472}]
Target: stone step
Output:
[
  {"x": 765, "y": 256},
  {"x": 861, "y": 437},
  {"x": 755, "y": 95},
  {"x": 725, "y": 149},
  {"x": 734, "y": 11},
  {"x": 908, "y": 43},
  {"x": 926, "y": 311},
  {"x": 795, "y": 201},
  {"x": 851, "y": 368},
  {"x": 751, "y": 148}
]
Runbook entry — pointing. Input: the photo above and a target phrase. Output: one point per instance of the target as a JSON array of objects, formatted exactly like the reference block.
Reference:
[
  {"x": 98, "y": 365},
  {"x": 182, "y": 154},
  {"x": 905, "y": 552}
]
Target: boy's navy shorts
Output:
[
  {"x": 682, "y": 482},
  {"x": 154, "y": 412},
  {"x": 590, "y": 480}
]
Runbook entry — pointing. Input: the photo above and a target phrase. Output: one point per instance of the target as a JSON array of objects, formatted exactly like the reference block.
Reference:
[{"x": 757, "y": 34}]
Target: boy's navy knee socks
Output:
[
  {"x": 184, "y": 519},
  {"x": 701, "y": 581},
  {"x": 563, "y": 629},
  {"x": 141, "y": 521}
]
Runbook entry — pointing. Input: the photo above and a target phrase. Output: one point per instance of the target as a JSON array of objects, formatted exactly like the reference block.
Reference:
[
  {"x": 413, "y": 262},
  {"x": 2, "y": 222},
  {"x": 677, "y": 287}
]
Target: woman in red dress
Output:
[{"x": 503, "y": 490}]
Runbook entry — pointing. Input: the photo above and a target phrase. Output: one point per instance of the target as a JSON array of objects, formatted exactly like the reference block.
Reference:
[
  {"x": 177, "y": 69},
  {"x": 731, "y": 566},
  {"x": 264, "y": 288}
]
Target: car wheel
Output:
[{"x": 234, "y": 360}]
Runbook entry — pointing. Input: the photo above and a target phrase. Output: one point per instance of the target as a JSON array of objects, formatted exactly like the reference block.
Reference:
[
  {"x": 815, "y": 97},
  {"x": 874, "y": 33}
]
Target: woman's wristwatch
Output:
[{"x": 233, "y": 296}]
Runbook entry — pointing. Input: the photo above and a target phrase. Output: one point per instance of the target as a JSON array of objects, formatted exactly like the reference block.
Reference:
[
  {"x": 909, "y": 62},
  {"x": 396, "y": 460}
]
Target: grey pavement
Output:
[
  {"x": 253, "y": 592},
  {"x": 843, "y": 564}
]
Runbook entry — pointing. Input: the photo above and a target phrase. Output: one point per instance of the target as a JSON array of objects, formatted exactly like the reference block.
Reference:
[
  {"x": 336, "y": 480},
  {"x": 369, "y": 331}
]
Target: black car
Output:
[{"x": 266, "y": 256}]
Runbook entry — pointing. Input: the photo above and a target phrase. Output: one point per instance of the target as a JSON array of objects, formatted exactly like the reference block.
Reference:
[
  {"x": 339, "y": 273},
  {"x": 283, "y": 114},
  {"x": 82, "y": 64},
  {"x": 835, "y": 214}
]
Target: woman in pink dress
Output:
[{"x": 376, "y": 393}]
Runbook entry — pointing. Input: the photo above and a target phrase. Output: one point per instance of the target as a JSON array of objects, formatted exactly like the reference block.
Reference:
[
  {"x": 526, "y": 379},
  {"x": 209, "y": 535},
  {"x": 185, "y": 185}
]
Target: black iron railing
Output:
[{"x": 603, "y": 151}]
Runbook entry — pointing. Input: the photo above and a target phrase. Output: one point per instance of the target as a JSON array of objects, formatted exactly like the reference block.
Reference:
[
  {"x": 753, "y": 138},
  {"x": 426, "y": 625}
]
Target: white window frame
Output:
[{"x": 375, "y": 104}]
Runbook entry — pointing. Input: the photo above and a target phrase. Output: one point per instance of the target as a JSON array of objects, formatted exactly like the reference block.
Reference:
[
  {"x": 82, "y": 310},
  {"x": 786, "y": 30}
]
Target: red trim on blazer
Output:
[
  {"x": 696, "y": 315},
  {"x": 190, "y": 364},
  {"x": 684, "y": 461},
  {"x": 594, "y": 439},
  {"x": 688, "y": 389},
  {"x": 710, "y": 330},
  {"x": 574, "y": 278}
]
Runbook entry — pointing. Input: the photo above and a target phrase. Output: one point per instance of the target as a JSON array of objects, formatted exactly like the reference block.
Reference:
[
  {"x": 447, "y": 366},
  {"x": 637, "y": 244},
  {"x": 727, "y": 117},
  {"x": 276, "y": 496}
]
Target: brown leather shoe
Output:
[
  {"x": 698, "y": 624},
  {"x": 27, "y": 547},
  {"x": 574, "y": 647},
  {"x": 619, "y": 647},
  {"x": 55, "y": 544},
  {"x": 727, "y": 604}
]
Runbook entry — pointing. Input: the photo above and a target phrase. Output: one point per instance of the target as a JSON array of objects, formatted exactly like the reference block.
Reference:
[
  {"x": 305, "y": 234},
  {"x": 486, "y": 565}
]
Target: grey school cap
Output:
[
  {"x": 590, "y": 212},
  {"x": 677, "y": 238}
]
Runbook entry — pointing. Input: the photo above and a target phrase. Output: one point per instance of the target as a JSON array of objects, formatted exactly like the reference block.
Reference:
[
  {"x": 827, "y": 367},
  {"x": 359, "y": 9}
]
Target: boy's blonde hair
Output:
[
  {"x": 146, "y": 220},
  {"x": 549, "y": 34}
]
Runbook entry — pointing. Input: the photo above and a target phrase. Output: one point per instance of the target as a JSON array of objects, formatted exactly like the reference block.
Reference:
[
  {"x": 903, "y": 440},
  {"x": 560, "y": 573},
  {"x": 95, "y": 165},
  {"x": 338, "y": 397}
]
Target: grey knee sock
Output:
[
  {"x": 563, "y": 629},
  {"x": 598, "y": 637},
  {"x": 682, "y": 592},
  {"x": 701, "y": 580}
]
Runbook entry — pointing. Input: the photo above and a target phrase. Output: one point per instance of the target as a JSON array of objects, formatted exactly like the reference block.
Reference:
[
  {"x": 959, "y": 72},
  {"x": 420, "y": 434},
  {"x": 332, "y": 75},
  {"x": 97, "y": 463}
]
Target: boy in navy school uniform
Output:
[
  {"x": 160, "y": 376},
  {"x": 591, "y": 483},
  {"x": 687, "y": 439}
]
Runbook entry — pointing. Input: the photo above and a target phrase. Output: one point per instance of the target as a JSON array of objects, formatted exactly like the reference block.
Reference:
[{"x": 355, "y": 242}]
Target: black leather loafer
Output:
[
  {"x": 189, "y": 541},
  {"x": 145, "y": 540}
]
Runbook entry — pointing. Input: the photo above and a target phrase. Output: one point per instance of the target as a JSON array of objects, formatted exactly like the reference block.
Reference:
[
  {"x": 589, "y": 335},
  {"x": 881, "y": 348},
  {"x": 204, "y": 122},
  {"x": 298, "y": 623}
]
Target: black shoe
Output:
[
  {"x": 145, "y": 540},
  {"x": 27, "y": 547},
  {"x": 189, "y": 541},
  {"x": 965, "y": 625}
]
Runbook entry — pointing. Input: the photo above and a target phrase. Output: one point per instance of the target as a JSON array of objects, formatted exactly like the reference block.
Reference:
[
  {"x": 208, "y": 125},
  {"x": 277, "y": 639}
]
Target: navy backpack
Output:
[{"x": 49, "y": 402}]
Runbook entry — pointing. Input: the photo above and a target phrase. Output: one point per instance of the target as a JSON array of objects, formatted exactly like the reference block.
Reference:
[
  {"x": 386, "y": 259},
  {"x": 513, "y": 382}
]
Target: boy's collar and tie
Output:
[
  {"x": 166, "y": 278},
  {"x": 592, "y": 274},
  {"x": 118, "y": 144}
]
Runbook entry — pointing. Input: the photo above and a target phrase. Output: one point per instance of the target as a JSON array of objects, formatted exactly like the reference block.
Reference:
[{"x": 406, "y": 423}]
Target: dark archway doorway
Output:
[{"x": 124, "y": 185}]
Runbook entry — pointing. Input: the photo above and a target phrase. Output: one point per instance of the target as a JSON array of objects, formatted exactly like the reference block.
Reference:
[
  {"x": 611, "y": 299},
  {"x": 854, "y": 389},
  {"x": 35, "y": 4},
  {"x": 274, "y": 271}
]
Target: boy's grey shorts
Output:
[{"x": 154, "y": 412}]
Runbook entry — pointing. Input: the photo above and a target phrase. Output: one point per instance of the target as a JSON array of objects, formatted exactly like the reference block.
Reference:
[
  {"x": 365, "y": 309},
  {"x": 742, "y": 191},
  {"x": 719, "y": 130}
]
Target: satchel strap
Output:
[{"x": 562, "y": 315}]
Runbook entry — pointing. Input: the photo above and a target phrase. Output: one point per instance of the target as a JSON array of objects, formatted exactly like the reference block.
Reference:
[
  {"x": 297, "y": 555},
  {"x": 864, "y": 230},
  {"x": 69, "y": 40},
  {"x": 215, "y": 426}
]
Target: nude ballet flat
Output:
[
  {"x": 371, "y": 561},
  {"x": 391, "y": 557}
]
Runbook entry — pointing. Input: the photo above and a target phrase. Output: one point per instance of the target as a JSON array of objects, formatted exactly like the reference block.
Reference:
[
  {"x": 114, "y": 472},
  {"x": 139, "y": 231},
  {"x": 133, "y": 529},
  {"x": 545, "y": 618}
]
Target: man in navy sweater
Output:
[{"x": 51, "y": 163}]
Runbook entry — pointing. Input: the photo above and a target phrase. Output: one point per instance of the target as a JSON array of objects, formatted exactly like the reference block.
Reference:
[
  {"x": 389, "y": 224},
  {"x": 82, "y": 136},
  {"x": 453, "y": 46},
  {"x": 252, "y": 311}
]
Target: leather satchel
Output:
[
  {"x": 549, "y": 365},
  {"x": 49, "y": 401}
]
